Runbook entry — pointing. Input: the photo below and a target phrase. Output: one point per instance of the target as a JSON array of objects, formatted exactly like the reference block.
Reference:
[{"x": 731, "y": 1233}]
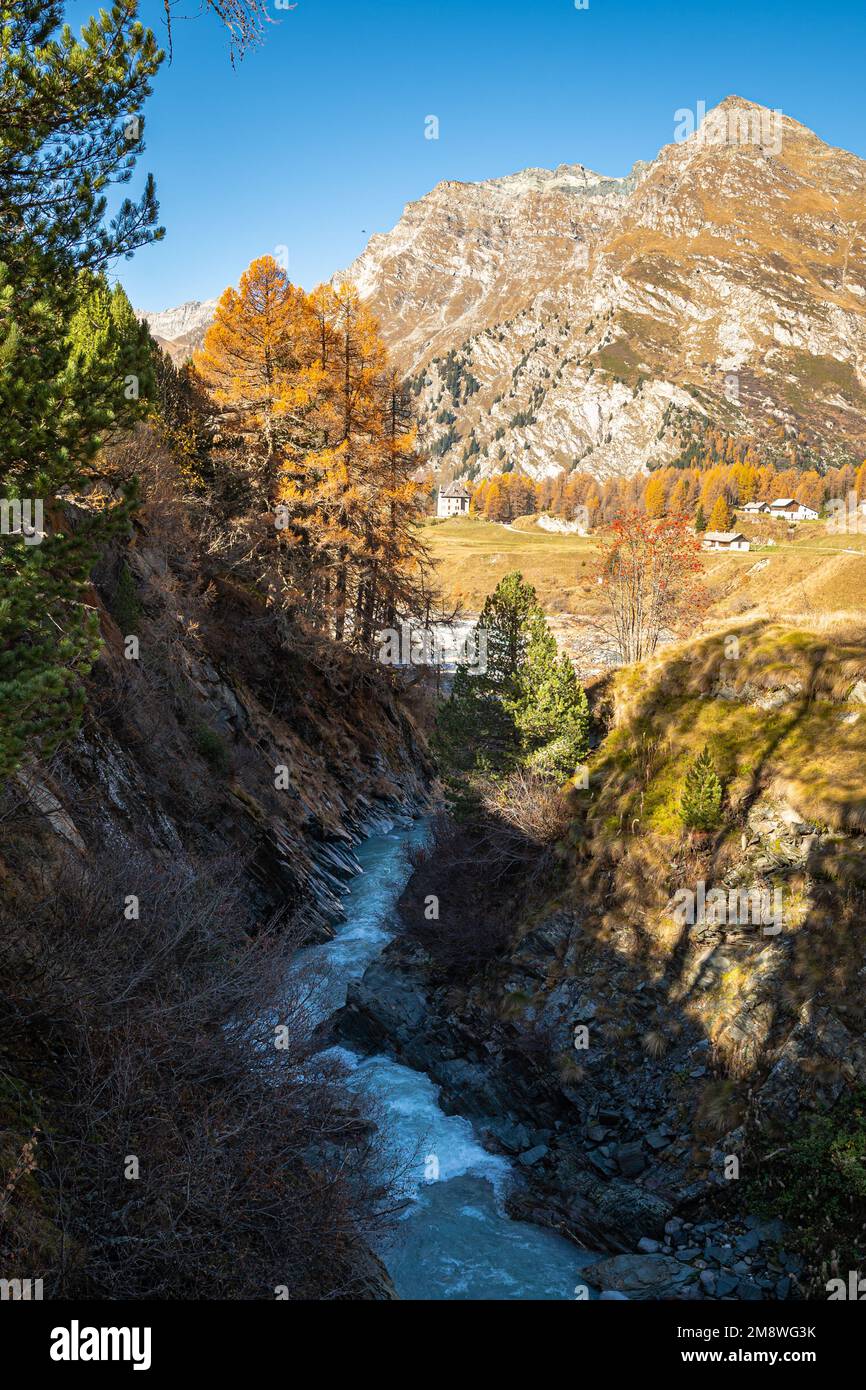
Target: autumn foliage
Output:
[
  {"x": 735, "y": 471},
  {"x": 649, "y": 580},
  {"x": 318, "y": 456}
]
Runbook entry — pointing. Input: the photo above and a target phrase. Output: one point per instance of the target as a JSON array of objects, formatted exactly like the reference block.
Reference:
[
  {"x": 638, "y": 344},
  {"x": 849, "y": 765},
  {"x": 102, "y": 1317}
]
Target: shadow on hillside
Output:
[{"x": 595, "y": 934}]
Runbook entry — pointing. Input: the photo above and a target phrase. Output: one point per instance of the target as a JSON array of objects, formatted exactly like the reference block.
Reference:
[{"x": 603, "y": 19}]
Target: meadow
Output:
[{"x": 817, "y": 578}]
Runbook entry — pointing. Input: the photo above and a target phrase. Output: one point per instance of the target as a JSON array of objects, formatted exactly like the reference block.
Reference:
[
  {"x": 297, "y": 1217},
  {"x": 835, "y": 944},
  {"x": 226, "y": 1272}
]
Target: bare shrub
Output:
[
  {"x": 154, "y": 1040},
  {"x": 533, "y": 806},
  {"x": 473, "y": 881},
  {"x": 469, "y": 929}
]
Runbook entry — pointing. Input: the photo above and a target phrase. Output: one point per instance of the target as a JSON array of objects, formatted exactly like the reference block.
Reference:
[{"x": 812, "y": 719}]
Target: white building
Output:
[
  {"x": 756, "y": 509},
  {"x": 453, "y": 500},
  {"x": 725, "y": 540},
  {"x": 789, "y": 509}
]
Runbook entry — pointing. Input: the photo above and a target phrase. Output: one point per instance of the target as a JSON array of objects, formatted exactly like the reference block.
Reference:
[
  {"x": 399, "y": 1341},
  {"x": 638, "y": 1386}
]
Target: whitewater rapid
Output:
[{"x": 454, "y": 1239}]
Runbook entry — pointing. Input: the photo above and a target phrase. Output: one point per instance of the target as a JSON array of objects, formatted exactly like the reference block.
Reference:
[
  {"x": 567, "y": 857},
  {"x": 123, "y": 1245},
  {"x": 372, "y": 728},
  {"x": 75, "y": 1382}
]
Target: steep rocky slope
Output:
[
  {"x": 627, "y": 1055},
  {"x": 181, "y": 330},
  {"x": 180, "y": 750},
  {"x": 159, "y": 872},
  {"x": 557, "y": 316}
]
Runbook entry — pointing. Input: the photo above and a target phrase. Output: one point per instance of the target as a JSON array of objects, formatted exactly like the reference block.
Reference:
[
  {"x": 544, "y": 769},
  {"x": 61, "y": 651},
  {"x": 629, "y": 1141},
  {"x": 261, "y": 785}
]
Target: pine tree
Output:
[
  {"x": 258, "y": 362},
  {"x": 475, "y": 730},
  {"x": 353, "y": 499},
  {"x": 324, "y": 442},
  {"x": 183, "y": 417},
  {"x": 700, "y": 522},
  {"x": 654, "y": 496},
  {"x": 552, "y": 712},
  {"x": 701, "y": 802},
  {"x": 477, "y": 726},
  {"x": 527, "y": 708},
  {"x": 400, "y": 575},
  {"x": 126, "y": 607},
  {"x": 63, "y": 103},
  {"x": 679, "y": 497},
  {"x": 506, "y": 622},
  {"x": 348, "y": 474},
  {"x": 72, "y": 127}
]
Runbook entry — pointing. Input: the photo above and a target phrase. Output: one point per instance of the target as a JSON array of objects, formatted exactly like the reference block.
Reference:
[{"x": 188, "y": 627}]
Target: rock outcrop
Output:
[
  {"x": 628, "y": 1056},
  {"x": 214, "y": 744},
  {"x": 557, "y": 316}
]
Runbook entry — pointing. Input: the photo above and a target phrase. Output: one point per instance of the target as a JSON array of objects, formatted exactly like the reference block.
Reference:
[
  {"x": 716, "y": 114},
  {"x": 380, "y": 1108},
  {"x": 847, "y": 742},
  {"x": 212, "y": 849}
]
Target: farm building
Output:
[
  {"x": 725, "y": 540},
  {"x": 789, "y": 509}
]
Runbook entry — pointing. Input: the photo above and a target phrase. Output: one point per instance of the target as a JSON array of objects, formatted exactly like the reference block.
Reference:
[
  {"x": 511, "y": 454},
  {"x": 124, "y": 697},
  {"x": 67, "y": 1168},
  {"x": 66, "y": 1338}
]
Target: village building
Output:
[
  {"x": 756, "y": 508},
  {"x": 725, "y": 540},
  {"x": 453, "y": 500},
  {"x": 789, "y": 509}
]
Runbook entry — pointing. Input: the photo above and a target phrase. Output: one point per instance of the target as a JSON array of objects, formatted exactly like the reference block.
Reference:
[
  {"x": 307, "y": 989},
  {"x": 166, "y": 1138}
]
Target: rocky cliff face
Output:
[
  {"x": 216, "y": 744},
  {"x": 557, "y": 316},
  {"x": 624, "y": 1054},
  {"x": 159, "y": 873},
  {"x": 181, "y": 330}
]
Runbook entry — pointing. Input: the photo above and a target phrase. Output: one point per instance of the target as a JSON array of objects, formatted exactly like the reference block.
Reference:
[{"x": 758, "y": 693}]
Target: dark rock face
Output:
[
  {"x": 223, "y": 756},
  {"x": 607, "y": 1062},
  {"x": 818, "y": 1060},
  {"x": 177, "y": 755},
  {"x": 642, "y": 1276},
  {"x": 602, "y": 1139}
]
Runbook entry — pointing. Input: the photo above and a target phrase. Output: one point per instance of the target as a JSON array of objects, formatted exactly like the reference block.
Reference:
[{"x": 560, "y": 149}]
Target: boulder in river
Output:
[{"x": 646, "y": 1276}]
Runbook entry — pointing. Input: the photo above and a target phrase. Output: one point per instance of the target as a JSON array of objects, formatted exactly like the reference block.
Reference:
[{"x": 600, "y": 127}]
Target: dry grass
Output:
[
  {"x": 776, "y": 715},
  {"x": 813, "y": 575},
  {"x": 721, "y": 1108},
  {"x": 472, "y": 556},
  {"x": 655, "y": 1044}
]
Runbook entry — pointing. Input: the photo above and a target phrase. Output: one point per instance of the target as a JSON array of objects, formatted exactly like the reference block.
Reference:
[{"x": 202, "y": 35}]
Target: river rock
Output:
[
  {"x": 509, "y": 1134},
  {"x": 384, "y": 1005},
  {"x": 533, "y": 1156},
  {"x": 630, "y": 1159},
  {"x": 469, "y": 1087},
  {"x": 626, "y": 1209},
  {"x": 646, "y": 1276},
  {"x": 748, "y": 1291}
]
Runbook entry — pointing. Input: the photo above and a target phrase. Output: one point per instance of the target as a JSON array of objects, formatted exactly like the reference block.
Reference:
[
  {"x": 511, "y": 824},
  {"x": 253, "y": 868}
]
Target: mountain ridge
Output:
[{"x": 554, "y": 318}]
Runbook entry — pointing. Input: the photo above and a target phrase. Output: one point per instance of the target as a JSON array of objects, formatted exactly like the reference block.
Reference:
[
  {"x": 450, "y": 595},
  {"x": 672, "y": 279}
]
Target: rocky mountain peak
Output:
[
  {"x": 555, "y": 316},
  {"x": 181, "y": 330}
]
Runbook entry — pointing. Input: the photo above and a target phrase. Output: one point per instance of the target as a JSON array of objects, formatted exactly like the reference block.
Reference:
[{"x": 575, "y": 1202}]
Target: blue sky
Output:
[{"x": 317, "y": 139}]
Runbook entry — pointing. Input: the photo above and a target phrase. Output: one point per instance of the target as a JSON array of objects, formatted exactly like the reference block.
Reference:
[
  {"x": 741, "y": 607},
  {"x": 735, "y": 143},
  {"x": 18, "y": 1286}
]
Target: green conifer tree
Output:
[
  {"x": 552, "y": 713},
  {"x": 506, "y": 620},
  {"x": 701, "y": 802},
  {"x": 69, "y": 112},
  {"x": 527, "y": 708}
]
